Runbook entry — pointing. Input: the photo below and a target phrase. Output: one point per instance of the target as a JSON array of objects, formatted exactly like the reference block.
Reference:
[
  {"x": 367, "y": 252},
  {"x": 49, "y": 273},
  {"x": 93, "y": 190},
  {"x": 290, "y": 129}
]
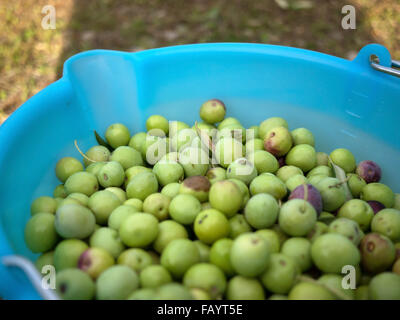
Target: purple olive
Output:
[
  {"x": 313, "y": 197},
  {"x": 281, "y": 161},
  {"x": 335, "y": 213},
  {"x": 377, "y": 253},
  {"x": 369, "y": 171},
  {"x": 376, "y": 206}
]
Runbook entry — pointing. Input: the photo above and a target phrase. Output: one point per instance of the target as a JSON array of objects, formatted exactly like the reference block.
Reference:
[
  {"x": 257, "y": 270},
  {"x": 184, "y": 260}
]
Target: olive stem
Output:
[
  {"x": 334, "y": 291},
  {"x": 82, "y": 154},
  {"x": 340, "y": 183}
]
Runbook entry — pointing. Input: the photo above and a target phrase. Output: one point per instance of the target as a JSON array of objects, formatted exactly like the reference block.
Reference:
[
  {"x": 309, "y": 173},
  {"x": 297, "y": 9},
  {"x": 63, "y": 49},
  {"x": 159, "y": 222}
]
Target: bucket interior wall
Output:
[{"x": 342, "y": 103}]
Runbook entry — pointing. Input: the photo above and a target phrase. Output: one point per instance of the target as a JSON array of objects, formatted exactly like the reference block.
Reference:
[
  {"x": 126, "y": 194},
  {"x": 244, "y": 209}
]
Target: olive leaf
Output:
[
  {"x": 341, "y": 176},
  {"x": 102, "y": 142}
]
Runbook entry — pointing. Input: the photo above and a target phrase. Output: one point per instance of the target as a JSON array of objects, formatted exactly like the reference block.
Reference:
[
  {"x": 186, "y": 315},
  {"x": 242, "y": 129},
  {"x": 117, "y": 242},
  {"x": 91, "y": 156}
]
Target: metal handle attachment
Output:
[{"x": 393, "y": 71}]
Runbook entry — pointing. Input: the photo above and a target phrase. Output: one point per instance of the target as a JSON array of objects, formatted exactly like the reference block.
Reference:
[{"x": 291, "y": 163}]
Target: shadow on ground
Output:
[{"x": 142, "y": 24}]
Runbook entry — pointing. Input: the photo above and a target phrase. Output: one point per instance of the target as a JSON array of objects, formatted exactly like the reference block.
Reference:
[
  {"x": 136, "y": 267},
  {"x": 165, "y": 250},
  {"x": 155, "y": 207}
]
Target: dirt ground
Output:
[{"x": 31, "y": 58}]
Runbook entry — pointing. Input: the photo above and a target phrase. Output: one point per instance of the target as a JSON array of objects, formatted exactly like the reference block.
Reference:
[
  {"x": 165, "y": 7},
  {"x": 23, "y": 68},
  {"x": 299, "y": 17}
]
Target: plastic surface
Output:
[{"x": 345, "y": 103}]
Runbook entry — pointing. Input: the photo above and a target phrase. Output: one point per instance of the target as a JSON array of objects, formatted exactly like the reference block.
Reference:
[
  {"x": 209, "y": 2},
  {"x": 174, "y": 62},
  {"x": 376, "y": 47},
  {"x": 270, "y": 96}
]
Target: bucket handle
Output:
[
  {"x": 32, "y": 274},
  {"x": 394, "y": 70}
]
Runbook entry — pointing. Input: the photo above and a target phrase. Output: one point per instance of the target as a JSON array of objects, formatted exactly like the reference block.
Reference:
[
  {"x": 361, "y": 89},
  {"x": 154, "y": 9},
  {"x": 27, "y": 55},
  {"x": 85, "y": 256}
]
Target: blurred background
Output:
[{"x": 31, "y": 57}]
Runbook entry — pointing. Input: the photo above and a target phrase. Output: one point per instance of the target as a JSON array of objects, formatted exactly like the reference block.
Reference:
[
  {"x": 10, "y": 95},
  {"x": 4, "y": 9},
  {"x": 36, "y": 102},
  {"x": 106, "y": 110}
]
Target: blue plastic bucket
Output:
[{"x": 345, "y": 103}]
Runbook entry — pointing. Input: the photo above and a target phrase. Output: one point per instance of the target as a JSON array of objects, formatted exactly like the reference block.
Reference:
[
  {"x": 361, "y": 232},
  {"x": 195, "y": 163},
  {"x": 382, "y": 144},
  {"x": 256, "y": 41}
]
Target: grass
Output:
[
  {"x": 28, "y": 54},
  {"x": 31, "y": 58}
]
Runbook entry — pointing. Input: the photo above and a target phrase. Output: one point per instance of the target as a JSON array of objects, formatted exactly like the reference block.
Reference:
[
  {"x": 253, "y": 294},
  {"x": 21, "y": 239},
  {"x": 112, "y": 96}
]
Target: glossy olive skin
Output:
[
  {"x": 211, "y": 225},
  {"x": 40, "y": 233},
  {"x": 179, "y": 255},
  {"x": 212, "y": 210},
  {"x": 139, "y": 230},
  {"x": 331, "y": 251},
  {"x": 250, "y": 255},
  {"x": 116, "y": 283},
  {"x": 74, "y": 221},
  {"x": 117, "y": 135},
  {"x": 74, "y": 284},
  {"x": 67, "y": 166},
  {"x": 213, "y": 111}
]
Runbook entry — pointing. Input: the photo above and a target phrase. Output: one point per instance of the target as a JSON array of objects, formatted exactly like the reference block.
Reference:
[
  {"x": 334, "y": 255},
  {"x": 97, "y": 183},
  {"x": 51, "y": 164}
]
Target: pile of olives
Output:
[{"x": 216, "y": 211}]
